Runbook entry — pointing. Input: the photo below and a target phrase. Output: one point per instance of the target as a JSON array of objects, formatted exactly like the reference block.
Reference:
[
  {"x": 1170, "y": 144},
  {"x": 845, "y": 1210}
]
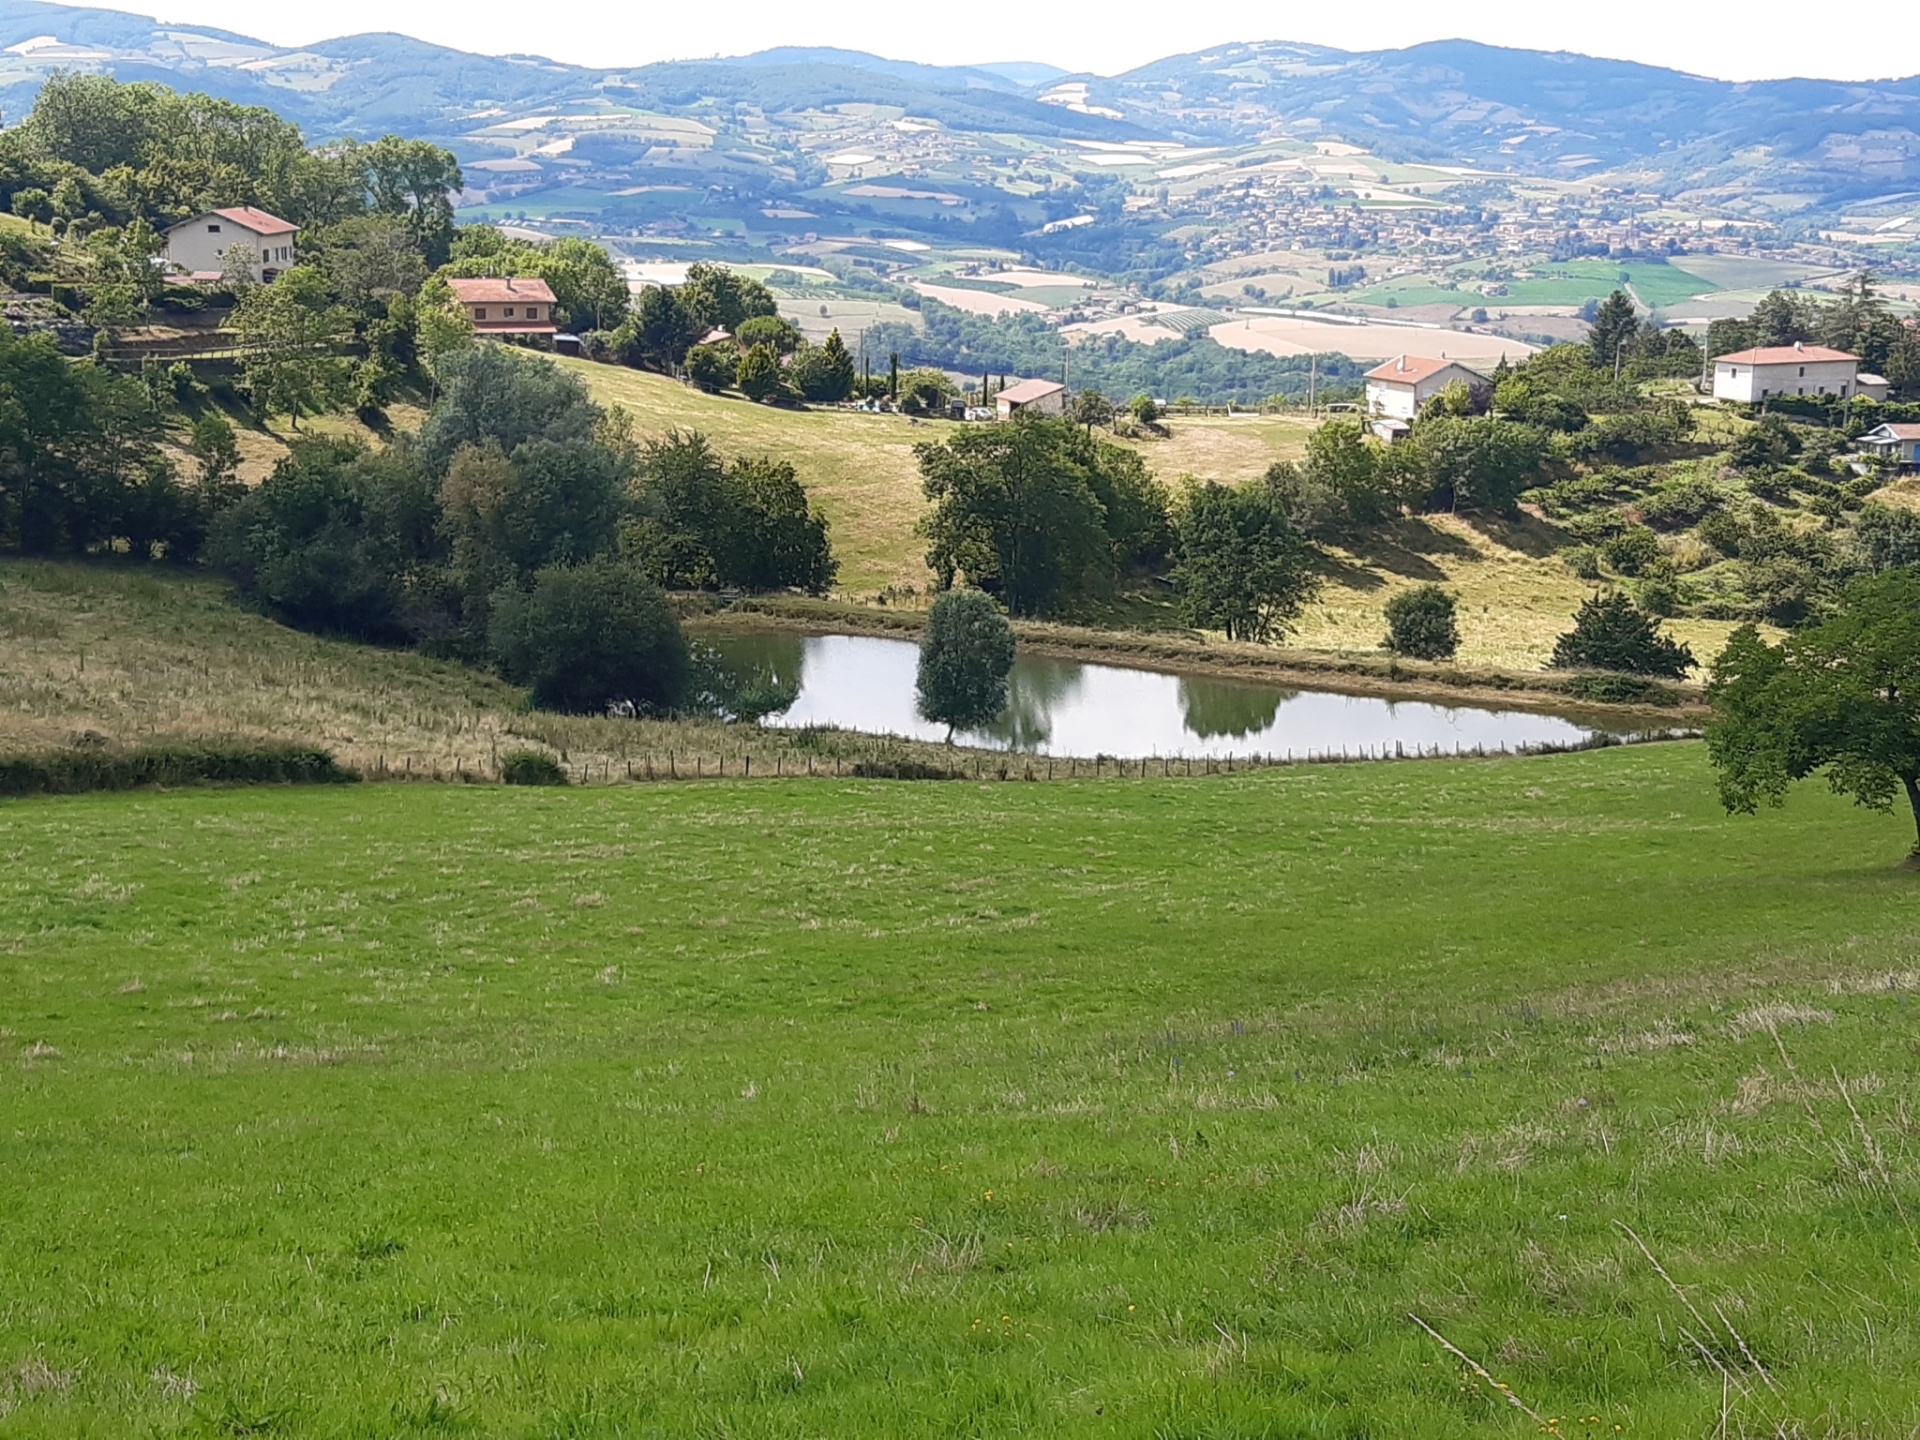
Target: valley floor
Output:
[{"x": 812, "y": 1108}]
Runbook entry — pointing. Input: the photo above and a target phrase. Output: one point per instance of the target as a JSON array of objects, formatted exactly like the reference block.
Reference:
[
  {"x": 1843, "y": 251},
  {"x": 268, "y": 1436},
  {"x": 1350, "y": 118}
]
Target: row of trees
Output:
[
  {"x": 1859, "y": 320},
  {"x": 514, "y": 473}
]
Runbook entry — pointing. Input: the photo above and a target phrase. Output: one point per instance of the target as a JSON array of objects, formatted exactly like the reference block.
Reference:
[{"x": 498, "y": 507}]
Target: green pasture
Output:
[
  {"x": 1573, "y": 282},
  {"x": 842, "y": 1108}
]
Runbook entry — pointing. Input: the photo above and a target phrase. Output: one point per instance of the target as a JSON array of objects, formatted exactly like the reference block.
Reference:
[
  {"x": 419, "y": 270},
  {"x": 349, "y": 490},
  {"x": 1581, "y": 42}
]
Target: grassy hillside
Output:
[
  {"x": 133, "y": 654},
  {"x": 1139, "y": 1109},
  {"x": 1516, "y": 595},
  {"x": 861, "y": 469}
]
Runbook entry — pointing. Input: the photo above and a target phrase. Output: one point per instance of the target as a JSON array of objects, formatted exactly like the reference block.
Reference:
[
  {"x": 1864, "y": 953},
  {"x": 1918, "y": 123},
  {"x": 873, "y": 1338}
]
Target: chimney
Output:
[{"x": 1799, "y": 344}]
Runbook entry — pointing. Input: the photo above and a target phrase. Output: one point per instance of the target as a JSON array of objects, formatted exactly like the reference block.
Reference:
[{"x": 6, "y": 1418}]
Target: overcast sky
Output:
[{"x": 1762, "y": 41}]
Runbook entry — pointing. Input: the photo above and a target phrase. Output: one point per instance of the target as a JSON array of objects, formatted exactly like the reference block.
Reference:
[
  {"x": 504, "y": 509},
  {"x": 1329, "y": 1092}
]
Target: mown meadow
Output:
[{"x": 830, "y": 1108}]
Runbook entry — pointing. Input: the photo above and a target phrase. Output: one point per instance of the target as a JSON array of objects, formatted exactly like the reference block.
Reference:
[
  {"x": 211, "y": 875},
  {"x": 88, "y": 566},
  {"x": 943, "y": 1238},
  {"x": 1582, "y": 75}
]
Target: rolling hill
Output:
[{"x": 1772, "y": 147}]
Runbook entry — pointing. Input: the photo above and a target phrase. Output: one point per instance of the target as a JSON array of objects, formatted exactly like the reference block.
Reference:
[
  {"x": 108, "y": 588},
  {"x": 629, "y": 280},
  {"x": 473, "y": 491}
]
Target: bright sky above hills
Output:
[{"x": 1766, "y": 41}]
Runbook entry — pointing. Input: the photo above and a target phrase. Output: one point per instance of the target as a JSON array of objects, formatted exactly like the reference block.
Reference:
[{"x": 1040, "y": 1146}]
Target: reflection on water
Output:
[
  {"x": 1037, "y": 690},
  {"x": 1062, "y": 707},
  {"x": 1223, "y": 707}
]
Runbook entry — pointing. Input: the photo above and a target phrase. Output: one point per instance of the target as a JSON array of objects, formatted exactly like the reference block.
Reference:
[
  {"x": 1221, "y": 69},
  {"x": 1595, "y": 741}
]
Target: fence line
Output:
[{"x": 678, "y": 765}]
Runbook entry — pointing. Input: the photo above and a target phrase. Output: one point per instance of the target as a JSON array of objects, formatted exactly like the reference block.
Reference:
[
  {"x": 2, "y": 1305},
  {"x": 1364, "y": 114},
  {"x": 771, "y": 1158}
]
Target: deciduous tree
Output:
[
  {"x": 1841, "y": 698},
  {"x": 1242, "y": 566},
  {"x": 966, "y": 655}
]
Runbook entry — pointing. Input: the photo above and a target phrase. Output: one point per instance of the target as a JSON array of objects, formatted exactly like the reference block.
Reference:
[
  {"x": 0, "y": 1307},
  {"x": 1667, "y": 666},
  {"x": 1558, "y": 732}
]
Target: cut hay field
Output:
[
  {"x": 1293, "y": 335},
  {"x": 1135, "y": 1109}
]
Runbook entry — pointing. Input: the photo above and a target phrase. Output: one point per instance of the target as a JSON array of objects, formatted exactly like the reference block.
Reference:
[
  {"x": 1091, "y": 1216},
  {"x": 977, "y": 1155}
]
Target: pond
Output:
[{"x": 1071, "y": 708}]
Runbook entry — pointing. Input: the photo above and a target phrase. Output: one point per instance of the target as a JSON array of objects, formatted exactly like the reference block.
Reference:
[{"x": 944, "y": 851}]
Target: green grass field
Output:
[
  {"x": 1573, "y": 282},
  {"x": 835, "y": 1109}
]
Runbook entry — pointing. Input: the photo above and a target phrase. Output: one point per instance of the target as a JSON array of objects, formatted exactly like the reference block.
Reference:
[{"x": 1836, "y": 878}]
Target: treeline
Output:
[
  {"x": 95, "y": 153},
  {"x": 1859, "y": 321},
  {"x": 522, "y": 527},
  {"x": 1772, "y": 527},
  {"x": 1195, "y": 366},
  {"x": 1045, "y": 517}
]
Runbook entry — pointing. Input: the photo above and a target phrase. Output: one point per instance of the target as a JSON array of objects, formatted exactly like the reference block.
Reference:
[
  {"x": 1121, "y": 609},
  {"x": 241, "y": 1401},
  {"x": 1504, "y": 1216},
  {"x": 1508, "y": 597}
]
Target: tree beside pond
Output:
[
  {"x": 582, "y": 637},
  {"x": 1037, "y": 512},
  {"x": 1610, "y": 632},
  {"x": 1243, "y": 568},
  {"x": 1841, "y": 697},
  {"x": 1421, "y": 623},
  {"x": 966, "y": 655}
]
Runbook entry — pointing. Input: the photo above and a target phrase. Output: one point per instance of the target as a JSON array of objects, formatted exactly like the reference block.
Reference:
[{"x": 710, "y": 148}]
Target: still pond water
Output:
[{"x": 1064, "y": 707}]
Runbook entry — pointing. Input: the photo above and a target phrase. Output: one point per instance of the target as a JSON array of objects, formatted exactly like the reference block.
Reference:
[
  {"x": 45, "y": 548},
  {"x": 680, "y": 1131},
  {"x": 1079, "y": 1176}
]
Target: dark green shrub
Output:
[
  {"x": 1774, "y": 483},
  {"x": 1610, "y": 632},
  {"x": 1596, "y": 527},
  {"x": 1725, "y": 532},
  {"x": 1785, "y": 590},
  {"x": 584, "y": 637},
  {"x": 1683, "y": 503},
  {"x": 1584, "y": 561},
  {"x": 186, "y": 762},
  {"x": 1607, "y": 689},
  {"x": 531, "y": 767},
  {"x": 1887, "y": 538},
  {"x": 1660, "y": 593},
  {"x": 712, "y": 367},
  {"x": 1421, "y": 624},
  {"x": 1632, "y": 550},
  {"x": 1771, "y": 442}
]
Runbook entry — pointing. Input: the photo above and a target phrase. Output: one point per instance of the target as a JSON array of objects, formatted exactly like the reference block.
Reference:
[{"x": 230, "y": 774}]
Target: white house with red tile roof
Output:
[
  {"x": 1898, "y": 443},
  {"x": 1397, "y": 389},
  {"x": 1037, "y": 397},
  {"x": 515, "y": 305},
  {"x": 198, "y": 247},
  {"x": 1748, "y": 377}
]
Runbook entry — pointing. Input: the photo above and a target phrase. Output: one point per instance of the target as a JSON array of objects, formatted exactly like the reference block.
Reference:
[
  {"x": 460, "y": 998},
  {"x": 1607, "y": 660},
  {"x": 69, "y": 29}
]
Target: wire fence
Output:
[{"x": 683, "y": 765}]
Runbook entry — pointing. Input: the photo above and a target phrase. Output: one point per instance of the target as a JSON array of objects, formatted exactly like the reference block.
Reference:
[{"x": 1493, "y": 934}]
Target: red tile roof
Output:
[
  {"x": 1783, "y": 355},
  {"x": 1412, "y": 369},
  {"x": 257, "y": 220},
  {"x": 502, "y": 291},
  {"x": 1897, "y": 432}
]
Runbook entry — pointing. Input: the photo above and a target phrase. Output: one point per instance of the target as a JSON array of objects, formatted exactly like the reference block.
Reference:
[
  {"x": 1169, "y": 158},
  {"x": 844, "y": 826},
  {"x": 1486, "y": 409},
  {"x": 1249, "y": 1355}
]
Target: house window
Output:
[
  {"x": 213, "y": 229},
  {"x": 480, "y": 312},
  {"x": 533, "y": 312},
  {"x": 1803, "y": 372},
  {"x": 508, "y": 312}
]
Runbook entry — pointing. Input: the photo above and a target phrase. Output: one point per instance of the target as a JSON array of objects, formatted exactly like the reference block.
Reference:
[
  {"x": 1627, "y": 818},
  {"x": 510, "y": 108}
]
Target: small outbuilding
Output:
[
  {"x": 1898, "y": 443},
  {"x": 1036, "y": 397},
  {"x": 1397, "y": 389}
]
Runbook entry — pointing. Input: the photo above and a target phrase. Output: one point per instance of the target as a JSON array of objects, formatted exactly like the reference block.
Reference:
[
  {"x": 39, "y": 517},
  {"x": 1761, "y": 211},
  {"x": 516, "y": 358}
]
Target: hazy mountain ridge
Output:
[
  {"x": 1770, "y": 145},
  {"x": 1548, "y": 112}
]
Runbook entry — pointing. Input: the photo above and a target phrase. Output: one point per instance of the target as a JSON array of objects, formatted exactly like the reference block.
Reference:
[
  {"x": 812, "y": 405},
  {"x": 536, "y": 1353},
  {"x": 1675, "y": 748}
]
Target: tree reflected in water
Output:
[
  {"x": 1222, "y": 707},
  {"x": 1037, "y": 687}
]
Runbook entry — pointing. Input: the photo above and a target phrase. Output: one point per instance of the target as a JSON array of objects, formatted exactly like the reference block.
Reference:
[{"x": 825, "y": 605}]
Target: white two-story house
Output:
[
  {"x": 1397, "y": 389},
  {"x": 1748, "y": 377},
  {"x": 199, "y": 247}
]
